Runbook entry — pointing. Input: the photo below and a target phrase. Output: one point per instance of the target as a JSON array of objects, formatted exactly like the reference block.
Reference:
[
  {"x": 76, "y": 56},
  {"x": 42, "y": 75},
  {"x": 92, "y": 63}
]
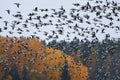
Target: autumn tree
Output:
[
  {"x": 29, "y": 59},
  {"x": 9, "y": 77}
]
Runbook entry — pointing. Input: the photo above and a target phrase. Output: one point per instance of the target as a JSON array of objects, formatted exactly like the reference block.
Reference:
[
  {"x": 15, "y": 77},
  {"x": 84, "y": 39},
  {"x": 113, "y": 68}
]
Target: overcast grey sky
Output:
[{"x": 28, "y": 5}]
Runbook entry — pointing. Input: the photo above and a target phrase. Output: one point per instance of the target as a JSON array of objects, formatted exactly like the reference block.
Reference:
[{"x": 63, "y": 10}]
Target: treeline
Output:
[
  {"x": 101, "y": 57},
  {"x": 29, "y": 59},
  {"x": 33, "y": 59}
]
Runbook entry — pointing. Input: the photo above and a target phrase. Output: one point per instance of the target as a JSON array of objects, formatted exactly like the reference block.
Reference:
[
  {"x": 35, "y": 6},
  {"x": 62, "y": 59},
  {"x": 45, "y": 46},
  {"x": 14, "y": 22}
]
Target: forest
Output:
[
  {"x": 30, "y": 59},
  {"x": 33, "y": 59},
  {"x": 101, "y": 57}
]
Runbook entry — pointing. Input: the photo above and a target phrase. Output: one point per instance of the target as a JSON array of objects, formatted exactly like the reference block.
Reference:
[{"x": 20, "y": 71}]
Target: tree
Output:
[
  {"x": 25, "y": 74},
  {"x": 29, "y": 59},
  {"x": 9, "y": 77},
  {"x": 65, "y": 73},
  {"x": 14, "y": 73}
]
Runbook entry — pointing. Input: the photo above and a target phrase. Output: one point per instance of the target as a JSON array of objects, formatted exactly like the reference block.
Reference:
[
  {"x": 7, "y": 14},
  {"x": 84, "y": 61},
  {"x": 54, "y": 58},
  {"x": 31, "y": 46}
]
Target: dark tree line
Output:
[{"x": 102, "y": 57}]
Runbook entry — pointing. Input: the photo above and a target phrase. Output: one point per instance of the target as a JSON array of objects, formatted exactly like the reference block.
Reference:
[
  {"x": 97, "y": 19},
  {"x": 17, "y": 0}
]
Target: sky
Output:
[{"x": 28, "y": 5}]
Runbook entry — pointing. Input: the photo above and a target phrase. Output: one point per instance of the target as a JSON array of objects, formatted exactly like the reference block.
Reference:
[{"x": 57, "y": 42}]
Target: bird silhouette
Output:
[
  {"x": 76, "y": 4},
  {"x": 6, "y": 23},
  {"x": 8, "y": 11},
  {"x": 0, "y": 30},
  {"x": 36, "y": 9},
  {"x": 17, "y": 4},
  {"x": 0, "y": 17}
]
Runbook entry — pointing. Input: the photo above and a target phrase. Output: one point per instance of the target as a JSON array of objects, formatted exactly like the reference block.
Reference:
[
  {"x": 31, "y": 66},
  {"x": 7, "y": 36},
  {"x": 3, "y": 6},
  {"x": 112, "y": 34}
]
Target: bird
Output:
[
  {"x": 6, "y": 23},
  {"x": 25, "y": 25},
  {"x": 98, "y": 13},
  {"x": 76, "y": 4},
  {"x": 88, "y": 22},
  {"x": 93, "y": 35},
  {"x": 53, "y": 32},
  {"x": 19, "y": 32},
  {"x": 0, "y": 29},
  {"x": 13, "y": 26},
  {"x": 88, "y": 6},
  {"x": 45, "y": 33},
  {"x": 118, "y": 28},
  {"x": 87, "y": 16},
  {"x": 107, "y": 36},
  {"x": 17, "y": 4},
  {"x": 8, "y": 11},
  {"x": 36, "y": 9},
  {"x": 10, "y": 32},
  {"x": 60, "y": 32},
  {"x": 56, "y": 37},
  {"x": 5, "y": 28},
  {"x": 0, "y": 17},
  {"x": 103, "y": 30}
]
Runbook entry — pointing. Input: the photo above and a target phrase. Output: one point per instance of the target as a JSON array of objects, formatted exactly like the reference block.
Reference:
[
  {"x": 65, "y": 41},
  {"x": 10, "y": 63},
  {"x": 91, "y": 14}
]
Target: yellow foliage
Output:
[
  {"x": 35, "y": 44},
  {"x": 1, "y": 71},
  {"x": 40, "y": 60},
  {"x": 9, "y": 77}
]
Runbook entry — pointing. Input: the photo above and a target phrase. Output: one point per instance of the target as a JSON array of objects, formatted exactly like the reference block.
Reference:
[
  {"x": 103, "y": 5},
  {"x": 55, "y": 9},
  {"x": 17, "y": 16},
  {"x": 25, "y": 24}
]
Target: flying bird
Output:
[
  {"x": 35, "y": 9},
  {"x": 8, "y": 11},
  {"x": 76, "y": 4},
  {"x": 0, "y": 17},
  {"x": 0, "y": 30},
  {"x": 6, "y": 23},
  {"x": 17, "y": 4}
]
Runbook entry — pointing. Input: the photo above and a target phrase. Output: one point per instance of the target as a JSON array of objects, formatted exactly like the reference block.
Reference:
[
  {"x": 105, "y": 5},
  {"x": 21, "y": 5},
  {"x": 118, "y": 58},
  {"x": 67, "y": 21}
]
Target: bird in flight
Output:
[
  {"x": 17, "y": 4},
  {"x": 8, "y": 11},
  {"x": 6, "y": 23},
  {"x": 0, "y": 17}
]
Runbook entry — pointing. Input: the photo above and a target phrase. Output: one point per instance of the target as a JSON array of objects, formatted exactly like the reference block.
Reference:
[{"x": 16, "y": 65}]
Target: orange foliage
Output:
[
  {"x": 32, "y": 54},
  {"x": 9, "y": 77},
  {"x": 3, "y": 44},
  {"x": 35, "y": 44}
]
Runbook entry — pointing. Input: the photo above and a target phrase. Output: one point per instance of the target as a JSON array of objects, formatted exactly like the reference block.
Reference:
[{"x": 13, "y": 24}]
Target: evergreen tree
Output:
[
  {"x": 25, "y": 74},
  {"x": 65, "y": 73},
  {"x": 14, "y": 73}
]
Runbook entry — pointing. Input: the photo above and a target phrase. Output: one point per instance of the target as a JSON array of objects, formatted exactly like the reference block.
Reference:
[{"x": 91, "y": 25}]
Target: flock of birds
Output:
[{"x": 80, "y": 21}]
